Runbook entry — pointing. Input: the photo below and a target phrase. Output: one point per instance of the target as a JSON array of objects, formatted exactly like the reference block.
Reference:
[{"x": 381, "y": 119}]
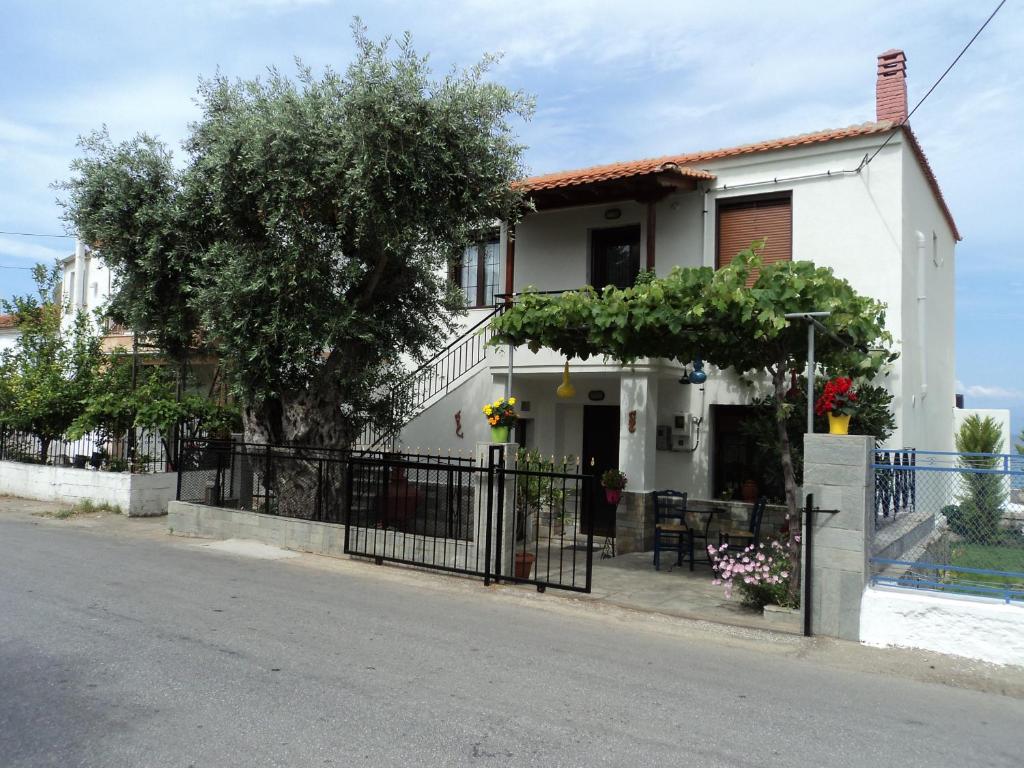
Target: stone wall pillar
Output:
[{"x": 837, "y": 470}]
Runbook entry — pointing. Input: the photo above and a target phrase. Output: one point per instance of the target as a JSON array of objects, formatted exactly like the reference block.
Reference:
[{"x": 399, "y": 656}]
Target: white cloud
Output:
[
  {"x": 32, "y": 251},
  {"x": 988, "y": 392}
]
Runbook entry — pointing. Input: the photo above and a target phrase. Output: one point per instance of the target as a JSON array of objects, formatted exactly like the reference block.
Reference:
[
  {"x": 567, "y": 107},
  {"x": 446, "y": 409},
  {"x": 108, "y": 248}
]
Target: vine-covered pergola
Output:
[{"x": 734, "y": 317}]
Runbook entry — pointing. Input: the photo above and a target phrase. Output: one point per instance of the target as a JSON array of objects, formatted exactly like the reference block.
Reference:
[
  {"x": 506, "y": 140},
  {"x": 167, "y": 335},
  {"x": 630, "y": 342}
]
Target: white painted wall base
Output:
[
  {"x": 138, "y": 495},
  {"x": 978, "y": 628}
]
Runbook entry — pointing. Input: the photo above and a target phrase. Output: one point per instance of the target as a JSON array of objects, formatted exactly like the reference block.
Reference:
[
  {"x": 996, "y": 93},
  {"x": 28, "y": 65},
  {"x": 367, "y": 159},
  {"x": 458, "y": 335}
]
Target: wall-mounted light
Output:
[
  {"x": 613, "y": 213},
  {"x": 597, "y": 395}
]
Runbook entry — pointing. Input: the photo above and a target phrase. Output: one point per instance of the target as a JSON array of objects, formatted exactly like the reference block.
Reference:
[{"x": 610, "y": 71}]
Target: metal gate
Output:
[{"x": 500, "y": 517}]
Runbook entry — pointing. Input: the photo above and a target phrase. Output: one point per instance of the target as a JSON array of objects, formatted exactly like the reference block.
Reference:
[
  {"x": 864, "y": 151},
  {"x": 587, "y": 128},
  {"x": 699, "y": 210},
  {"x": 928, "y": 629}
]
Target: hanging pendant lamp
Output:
[
  {"x": 698, "y": 375},
  {"x": 566, "y": 390}
]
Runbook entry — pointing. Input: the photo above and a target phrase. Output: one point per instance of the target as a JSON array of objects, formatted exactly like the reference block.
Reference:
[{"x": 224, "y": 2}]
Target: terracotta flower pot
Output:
[
  {"x": 838, "y": 424},
  {"x": 523, "y": 564},
  {"x": 613, "y": 495},
  {"x": 499, "y": 434}
]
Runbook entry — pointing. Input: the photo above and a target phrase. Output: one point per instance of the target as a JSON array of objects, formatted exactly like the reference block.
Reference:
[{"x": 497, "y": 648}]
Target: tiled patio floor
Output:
[{"x": 630, "y": 581}]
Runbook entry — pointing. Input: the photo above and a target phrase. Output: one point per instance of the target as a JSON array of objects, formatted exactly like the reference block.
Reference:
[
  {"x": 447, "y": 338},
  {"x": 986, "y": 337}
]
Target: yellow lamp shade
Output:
[{"x": 566, "y": 390}]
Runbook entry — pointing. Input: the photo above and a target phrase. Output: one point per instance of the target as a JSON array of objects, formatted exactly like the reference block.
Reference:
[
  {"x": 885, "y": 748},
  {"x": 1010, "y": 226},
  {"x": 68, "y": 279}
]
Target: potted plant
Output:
[
  {"x": 613, "y": 481},
  {"x": 523, "y": 564},
  {"x": 501, "y": 415},
  {"x": 839, "y": 401}
]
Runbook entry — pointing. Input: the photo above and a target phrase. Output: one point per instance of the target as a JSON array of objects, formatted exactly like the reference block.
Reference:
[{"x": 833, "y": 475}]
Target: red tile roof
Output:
[
  {"x": 612, "y": 171},
  {"x": 8, "y": 321},
  {"x": 684, "y": 164}
]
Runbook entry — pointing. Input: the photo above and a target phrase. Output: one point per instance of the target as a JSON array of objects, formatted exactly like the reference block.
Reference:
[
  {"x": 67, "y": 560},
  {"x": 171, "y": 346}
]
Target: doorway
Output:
[{"x": 600, "y": 453}]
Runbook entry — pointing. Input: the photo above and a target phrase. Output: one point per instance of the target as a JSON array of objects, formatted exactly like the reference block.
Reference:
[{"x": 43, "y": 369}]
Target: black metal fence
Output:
[
  {"x": 497, "y": 517},
  {"x": 146, "y": 451}
]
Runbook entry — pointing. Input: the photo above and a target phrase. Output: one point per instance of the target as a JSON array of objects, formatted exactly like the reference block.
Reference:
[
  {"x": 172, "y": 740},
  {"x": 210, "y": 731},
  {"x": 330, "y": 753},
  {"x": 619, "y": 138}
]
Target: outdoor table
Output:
[{"x": 712, "y": 509}]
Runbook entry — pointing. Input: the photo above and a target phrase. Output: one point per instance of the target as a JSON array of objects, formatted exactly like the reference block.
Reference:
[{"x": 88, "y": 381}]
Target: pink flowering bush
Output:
[{"x": 761, "y": 573}]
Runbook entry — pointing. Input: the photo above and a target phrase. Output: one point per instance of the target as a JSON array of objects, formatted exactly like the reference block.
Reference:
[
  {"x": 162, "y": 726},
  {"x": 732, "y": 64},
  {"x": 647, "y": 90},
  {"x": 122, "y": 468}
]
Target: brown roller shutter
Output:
[{"x": 741, "y": 223}]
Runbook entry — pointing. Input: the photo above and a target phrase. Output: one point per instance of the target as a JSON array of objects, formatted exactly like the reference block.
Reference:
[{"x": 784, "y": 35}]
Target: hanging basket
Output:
[{"x": 838, "y": 424}]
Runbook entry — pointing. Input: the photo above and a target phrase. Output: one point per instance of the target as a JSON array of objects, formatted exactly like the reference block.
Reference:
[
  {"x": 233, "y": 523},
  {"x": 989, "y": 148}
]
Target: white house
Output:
[
  {"x": 883, "y": 225},
  {"x": 86, "y": 285},
  {"x": 9, "y": 332}
]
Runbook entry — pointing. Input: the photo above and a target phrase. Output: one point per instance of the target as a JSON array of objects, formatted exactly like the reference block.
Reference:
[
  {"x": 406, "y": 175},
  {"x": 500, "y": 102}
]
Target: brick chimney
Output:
[{"x": 891, "y": 88}]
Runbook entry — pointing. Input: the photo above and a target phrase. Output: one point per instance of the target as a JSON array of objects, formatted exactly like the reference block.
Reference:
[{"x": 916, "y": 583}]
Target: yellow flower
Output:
[
  {"x": 511, "y": 401},
  {"x": 488, "y": 410},
  {"x": 497, "y": 403}
]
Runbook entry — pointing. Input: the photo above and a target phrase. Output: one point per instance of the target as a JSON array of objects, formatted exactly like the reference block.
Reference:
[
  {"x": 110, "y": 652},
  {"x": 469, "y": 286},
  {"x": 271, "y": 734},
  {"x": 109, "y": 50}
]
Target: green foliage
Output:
[
  {"x": 114, "y": 406},
  {"x": 874, "y": 417},
  {"x": 50, "y": 370},
  {"x": 983, "y": 495},
  {"x": 307, "y": 236},
  {"x": 979, "y": 435},
  {"x": 1020, "y": 442},
  {"x": 536, "y": 488},
  {"x": 713, "y": 314},
  {"x": 109, "y": 407},
  {"x": 613, "y": 480}
]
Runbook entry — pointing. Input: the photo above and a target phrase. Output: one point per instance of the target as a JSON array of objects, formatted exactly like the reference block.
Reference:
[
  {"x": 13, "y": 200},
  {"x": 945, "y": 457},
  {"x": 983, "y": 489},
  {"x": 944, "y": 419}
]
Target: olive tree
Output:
[
  {"x": 306, "y": 236},
  {"x": 733, "y": 318}
]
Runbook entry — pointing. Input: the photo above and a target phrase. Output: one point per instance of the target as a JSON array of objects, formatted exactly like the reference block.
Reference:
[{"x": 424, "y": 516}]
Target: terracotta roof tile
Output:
[
  {"x": 685, "y": 164},
  {"x": 8, "y": 321}
]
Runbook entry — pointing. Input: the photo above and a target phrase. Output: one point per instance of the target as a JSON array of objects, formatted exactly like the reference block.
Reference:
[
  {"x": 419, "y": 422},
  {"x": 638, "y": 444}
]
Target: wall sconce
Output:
[{"x": 613, "y": 213}]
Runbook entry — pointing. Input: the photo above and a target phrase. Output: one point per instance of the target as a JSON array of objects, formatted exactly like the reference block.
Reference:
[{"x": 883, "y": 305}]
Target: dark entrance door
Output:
[{"x": 600, "y": 452}]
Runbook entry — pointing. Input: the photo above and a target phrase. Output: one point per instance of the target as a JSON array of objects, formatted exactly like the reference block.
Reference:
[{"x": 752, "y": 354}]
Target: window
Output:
[
  {"x": 615, "y": 256},
  {"x": 477, "y": 273},
  {"x": 69, "y": 297},
  {"x": 741, "y": 222}
]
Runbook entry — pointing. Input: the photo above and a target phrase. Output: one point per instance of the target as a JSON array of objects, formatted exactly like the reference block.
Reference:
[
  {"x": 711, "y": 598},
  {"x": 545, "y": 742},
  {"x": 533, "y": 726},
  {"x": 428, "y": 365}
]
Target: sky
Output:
[{"x": 612, "y": 81}]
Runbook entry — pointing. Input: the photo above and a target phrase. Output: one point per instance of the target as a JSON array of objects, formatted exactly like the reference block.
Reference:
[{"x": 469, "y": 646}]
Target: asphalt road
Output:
[{"x": 126, "y": 650}]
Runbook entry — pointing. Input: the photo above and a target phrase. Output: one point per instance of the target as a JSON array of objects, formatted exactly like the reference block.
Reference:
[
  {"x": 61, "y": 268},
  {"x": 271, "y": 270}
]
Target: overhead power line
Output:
[
  {"x": 36, "y": 234},
  {"x": 936, "y": 83}
]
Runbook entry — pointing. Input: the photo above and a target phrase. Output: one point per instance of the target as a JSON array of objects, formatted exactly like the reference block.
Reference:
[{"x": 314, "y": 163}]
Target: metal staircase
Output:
[{"x": 432, "y": 380}]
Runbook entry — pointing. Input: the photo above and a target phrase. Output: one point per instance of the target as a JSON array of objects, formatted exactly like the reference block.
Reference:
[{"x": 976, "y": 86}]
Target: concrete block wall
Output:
[
  {"x": 836, "y": 471},
  {"x": 137, "y": 495},
  {"x": 187, "y": 519}
]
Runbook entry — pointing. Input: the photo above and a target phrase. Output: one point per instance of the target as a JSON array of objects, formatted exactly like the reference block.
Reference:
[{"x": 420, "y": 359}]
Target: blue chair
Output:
[
  {"x": 751, "y": 534},
  {"x": 671, "y": 533}
]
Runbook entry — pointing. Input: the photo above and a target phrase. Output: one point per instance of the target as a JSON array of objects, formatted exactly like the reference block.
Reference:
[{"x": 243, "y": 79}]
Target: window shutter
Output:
[{"x": 740, "y": 224}]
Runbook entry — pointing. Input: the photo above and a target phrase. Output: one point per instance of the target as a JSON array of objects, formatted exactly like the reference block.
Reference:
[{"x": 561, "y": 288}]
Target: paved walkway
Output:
[{"x": 630, "y": 581}]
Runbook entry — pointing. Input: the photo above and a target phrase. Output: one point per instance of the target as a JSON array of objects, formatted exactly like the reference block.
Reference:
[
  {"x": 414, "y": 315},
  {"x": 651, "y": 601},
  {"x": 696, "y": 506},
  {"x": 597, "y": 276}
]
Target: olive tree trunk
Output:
[{"x": 789, "y": 482}]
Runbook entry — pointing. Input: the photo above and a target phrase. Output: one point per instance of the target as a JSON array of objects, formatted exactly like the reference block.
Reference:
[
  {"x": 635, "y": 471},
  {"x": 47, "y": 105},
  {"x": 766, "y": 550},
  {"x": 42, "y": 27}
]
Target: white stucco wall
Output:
[
  {"x": 135, "y": 494},
  {"x": 977, "y": 628},
  {"x": 927, "y": 332},
  {"x": 8, "y": 338}
]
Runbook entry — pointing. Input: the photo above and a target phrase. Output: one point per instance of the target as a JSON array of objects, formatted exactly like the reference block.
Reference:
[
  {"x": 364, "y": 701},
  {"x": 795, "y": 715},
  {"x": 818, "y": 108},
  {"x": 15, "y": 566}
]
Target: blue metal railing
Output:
[{"x": 1008, "y": 592}]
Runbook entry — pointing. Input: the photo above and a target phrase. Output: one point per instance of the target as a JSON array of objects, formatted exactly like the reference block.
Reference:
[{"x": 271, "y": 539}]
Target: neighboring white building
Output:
[
  {"x": 86, "y": 285},
  {"x": 884, "y": 226},
  {"x": 9, "y": 332}
]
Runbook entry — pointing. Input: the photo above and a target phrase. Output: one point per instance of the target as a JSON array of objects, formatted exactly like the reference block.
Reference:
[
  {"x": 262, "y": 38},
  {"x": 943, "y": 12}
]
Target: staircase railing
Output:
[{"x": 435, "y": 377}]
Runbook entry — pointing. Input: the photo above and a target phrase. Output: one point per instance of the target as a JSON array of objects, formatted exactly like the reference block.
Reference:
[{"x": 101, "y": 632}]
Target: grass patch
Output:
[
  {"x": 81, "y": 509},
  {"x": 993, "y": 557}
]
